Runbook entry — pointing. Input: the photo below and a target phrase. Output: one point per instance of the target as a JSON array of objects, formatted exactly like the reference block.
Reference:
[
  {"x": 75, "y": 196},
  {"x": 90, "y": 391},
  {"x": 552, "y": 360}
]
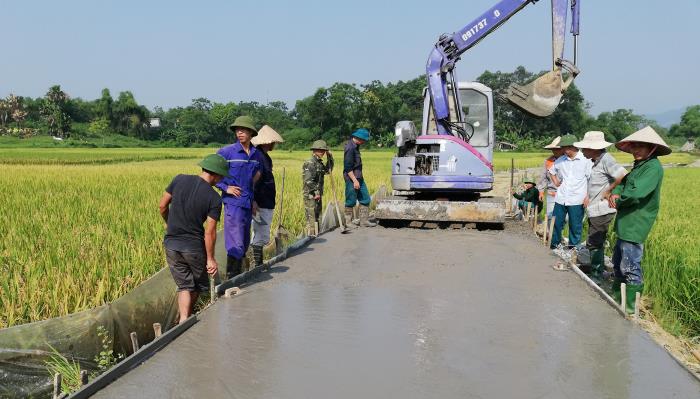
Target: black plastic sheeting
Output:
[{"x": 24, "y": 349}]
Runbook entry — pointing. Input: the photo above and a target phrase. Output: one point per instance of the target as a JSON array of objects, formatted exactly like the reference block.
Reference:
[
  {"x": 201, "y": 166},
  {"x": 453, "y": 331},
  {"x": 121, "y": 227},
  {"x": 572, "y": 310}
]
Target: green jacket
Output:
[
  {"x": 638, "y": 204},
  {"x": 313, "y": 171},
  {"x": 529, "y": 195}
]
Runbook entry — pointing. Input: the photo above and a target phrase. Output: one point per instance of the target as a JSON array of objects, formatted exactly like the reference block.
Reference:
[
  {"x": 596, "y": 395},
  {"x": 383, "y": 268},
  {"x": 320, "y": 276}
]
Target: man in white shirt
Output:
[
  {"x": 606, "y": 174},
  {"x": 570, "y": 174}
]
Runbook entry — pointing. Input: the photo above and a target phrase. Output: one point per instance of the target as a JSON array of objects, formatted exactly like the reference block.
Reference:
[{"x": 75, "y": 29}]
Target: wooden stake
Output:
[
  {"x": 510, "y": 190},
  {"x": 527, "y": 212},
  {"x": 212, "y": 289},
  {"x": 546, "y": 225},
  {"x": 552, "y": 222},
  {"x": 56, "y": 385},
  {"x": 83, "y": 377},
  {"x": 637, "y": 304},
  {"x": 157, "y": 330},
  {"x": 534, "y": 219},
  {"x": 134, "y": 342},
  {"x": 623, "y": 297}
]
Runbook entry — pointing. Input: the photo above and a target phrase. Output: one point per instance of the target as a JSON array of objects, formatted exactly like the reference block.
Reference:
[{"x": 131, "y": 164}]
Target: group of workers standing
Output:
[
  {"x": 581, "y": 176},
  {"x": 242, "y": 172}
]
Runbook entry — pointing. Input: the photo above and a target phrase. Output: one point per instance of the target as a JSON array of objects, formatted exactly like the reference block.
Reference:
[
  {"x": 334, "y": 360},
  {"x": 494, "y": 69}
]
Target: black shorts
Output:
[{"x": 189, "y": 270}]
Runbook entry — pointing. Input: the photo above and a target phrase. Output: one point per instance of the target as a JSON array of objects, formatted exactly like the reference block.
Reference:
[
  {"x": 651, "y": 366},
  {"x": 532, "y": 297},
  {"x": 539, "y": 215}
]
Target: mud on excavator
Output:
[{"x": 441, "y": 174}]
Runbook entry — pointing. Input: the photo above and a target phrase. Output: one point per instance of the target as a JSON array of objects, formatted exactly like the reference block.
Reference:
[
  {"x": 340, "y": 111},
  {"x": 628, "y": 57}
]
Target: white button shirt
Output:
[{"x": 573, "y": 175}]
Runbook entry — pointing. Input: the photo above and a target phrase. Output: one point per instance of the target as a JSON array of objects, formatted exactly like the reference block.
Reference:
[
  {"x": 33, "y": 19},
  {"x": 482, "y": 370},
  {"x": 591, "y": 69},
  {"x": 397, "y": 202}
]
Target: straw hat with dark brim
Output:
[
  {"x": 554, "y": 144},
  {"x": 267, "y": 135},
  {"x": 645, "y": 135},
  {"x": 593, "y": 140}
]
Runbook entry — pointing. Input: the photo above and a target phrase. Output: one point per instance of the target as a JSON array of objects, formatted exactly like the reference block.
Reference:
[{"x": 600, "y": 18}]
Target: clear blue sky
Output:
[{"x": 639, "y": 54}]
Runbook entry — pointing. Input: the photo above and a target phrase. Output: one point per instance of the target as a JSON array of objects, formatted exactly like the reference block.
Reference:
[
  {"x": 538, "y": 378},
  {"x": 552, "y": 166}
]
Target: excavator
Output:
[{"x": 441, "y": 174}]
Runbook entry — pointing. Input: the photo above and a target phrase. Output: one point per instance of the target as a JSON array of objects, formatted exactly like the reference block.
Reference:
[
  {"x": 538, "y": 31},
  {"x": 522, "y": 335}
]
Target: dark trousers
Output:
[
  {"x": 575, "y": 213},
  {"x": 598, "y": 230}
]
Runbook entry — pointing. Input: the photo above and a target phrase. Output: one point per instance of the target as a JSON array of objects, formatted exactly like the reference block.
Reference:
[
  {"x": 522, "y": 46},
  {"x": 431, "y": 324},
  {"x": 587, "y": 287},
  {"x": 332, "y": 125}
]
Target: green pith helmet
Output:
[
  {"x": 320, "y": 145},
  {"x": 215, "y": 163},
  {"x": 246, "y": 122},
  {"x": 567, "y": 140}
]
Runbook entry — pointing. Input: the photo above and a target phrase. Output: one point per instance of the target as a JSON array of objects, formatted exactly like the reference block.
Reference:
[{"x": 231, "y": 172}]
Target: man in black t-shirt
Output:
[{"x": 187, "y": 203}]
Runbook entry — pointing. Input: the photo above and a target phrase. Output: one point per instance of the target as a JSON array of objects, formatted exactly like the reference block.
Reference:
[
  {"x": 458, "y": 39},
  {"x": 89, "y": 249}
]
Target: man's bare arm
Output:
[
  {"x": 210, "y": 244},
  {"x": 164, "y": 205}
]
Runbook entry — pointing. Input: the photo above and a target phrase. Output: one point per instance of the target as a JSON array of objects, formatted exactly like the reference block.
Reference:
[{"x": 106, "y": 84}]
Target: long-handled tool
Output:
[
  {"x": 344, "y": 228},
  {"x": 281, "y": 234}
]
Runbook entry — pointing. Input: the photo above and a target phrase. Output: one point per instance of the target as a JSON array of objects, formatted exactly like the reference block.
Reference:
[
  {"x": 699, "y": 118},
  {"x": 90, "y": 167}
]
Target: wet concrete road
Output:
[{"x": 412, "y": 314}]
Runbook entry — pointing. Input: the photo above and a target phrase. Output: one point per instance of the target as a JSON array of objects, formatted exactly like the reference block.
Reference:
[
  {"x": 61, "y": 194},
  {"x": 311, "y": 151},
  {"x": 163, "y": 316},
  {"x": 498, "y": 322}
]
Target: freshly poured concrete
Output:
[{"x": 385, "y": 313}]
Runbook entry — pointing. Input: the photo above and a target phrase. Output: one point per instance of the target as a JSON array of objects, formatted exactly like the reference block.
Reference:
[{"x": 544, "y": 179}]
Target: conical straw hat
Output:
[
  {"x": 554, "y": 143},
  {"x": 645, "y": 135},
  {"x": 267, "y": 135}
]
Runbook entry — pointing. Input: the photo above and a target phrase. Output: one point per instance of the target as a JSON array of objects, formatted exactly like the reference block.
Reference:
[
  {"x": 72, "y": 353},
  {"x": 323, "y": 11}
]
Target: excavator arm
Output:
[{"x": 538, "y": 98}]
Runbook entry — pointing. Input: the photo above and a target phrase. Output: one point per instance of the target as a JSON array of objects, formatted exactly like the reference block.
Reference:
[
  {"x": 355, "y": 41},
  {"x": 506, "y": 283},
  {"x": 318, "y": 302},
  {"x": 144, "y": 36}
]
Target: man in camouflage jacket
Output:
[{"x": 313, "y": 173}]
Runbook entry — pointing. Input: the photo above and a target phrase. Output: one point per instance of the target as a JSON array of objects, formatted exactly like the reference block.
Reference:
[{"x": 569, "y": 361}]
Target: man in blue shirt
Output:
[
  {"x": 355, "y": 187},
  {"x": 245, "y": 163}
]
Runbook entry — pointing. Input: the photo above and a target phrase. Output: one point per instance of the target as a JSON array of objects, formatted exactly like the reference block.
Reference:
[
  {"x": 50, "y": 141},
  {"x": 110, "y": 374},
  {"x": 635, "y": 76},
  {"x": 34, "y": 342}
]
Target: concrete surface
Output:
[{"x": 386, "y": 313}]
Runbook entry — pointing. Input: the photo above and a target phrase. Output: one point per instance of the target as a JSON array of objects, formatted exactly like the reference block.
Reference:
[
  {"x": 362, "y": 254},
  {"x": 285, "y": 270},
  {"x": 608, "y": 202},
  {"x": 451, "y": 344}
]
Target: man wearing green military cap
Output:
[
  {"x": 245, "y": 165},
  {"x": 187, "y": 203},
  {"x": 570, "y": 174},
  {"x": 313, "y": 173}
]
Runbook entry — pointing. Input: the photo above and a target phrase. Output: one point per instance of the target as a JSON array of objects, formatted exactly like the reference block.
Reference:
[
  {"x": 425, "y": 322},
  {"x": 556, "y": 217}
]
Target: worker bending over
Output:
[{"x": 188, "y": 202}]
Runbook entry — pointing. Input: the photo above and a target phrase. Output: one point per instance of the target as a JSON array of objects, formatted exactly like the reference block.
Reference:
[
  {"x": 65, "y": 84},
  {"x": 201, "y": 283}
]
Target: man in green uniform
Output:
[
  {"x": 529, "y": 195},
  {"x": 313, "y": 172},
  {"x": 636, "y": 199}
]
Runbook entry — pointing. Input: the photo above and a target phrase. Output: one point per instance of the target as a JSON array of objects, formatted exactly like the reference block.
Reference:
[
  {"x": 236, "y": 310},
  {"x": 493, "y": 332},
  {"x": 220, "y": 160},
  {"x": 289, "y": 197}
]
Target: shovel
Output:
[
  {"x": 281, "y": 234},
  {"x": 341, "y": 221}
]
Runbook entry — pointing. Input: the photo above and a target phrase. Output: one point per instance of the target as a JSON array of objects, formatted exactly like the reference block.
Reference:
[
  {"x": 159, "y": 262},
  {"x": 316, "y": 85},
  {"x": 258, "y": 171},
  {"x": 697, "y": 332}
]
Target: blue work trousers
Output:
[
  {"x": 352, "y": 196},
  {"x": 575, "y": 213},
  {"x": 627, "y": 261},
  {"x": 237, "y": 222}
]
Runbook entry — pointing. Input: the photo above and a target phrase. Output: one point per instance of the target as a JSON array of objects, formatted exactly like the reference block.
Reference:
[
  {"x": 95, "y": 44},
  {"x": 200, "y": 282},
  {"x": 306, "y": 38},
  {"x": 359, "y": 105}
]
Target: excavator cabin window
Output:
[{"x": 475, "y": 111}]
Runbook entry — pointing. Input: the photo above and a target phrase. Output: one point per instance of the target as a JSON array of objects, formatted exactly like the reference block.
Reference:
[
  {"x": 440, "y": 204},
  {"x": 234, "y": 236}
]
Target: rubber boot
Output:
[
  {"x": 616, "y": 294},
  {"x": 233, "y": 267},
  {"x": 597, "y": 263},
  {"x": 364, "y": 217},
  {"x": 348, "y": 218},
  {"x": 631, "y": 291},
  {"x": 257, "y": 255}
]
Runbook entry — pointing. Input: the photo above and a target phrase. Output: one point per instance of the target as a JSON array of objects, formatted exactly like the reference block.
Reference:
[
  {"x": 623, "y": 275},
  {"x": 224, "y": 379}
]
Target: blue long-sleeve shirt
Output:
[{"x": 242, "y": 168}]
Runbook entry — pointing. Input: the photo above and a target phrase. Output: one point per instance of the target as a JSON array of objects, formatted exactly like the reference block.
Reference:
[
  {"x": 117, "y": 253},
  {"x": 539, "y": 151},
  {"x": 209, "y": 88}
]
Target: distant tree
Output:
[
  {"x": 689, "y": 127},
  {"x": 129, "y": 117},
  {"x": 54, "y": 111},
  {"x": 104, "y": 106},
  {"x": 620, "y": 123}
]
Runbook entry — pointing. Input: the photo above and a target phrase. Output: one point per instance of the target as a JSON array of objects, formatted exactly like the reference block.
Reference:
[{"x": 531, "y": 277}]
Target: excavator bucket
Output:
[{"x": 540, "y": 97}]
